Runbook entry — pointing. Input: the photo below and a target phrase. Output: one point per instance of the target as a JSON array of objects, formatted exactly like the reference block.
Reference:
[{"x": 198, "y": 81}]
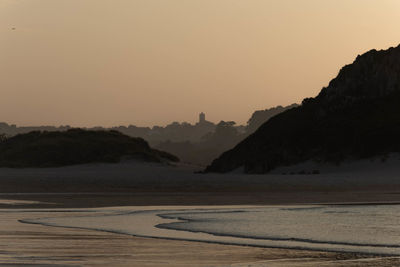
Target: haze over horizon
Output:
[{"x": 151, "y": 62}]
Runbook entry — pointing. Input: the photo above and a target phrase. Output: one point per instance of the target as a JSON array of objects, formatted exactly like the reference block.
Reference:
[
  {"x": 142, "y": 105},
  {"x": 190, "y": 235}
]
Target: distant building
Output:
[{"x": 202, "y": 118}]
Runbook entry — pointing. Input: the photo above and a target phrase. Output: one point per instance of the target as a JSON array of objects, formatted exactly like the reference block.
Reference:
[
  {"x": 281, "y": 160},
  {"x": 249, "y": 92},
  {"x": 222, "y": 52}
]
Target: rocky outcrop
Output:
[
  {"x": 259, "y": 117},
  {"x": 356, "y": 116}
]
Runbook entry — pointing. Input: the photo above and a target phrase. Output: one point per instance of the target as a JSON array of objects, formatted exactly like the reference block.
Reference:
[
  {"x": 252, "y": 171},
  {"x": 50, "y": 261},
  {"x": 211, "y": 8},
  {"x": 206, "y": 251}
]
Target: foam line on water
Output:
[{"x": 167, "y": 224}]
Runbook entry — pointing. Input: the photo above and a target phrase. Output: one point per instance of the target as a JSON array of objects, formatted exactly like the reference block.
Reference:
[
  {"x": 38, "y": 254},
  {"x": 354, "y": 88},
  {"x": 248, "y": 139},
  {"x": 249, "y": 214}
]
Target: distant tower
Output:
[{"x": 202, "y": 117}]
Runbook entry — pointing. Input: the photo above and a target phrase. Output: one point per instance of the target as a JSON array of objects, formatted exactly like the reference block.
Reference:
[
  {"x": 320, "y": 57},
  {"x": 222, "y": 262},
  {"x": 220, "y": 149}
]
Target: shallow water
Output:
[{"x": 363, "y": 228}]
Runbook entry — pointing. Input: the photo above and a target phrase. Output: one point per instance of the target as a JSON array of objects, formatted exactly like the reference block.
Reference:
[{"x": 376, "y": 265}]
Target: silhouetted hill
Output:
[
  {"x": 75, "y": 146},
  {"x": 197, "y": 143},
  {"x": 259, "y": 117},
  {"x": 356, "y": 116},
  {"x": 224, "y": 137}
]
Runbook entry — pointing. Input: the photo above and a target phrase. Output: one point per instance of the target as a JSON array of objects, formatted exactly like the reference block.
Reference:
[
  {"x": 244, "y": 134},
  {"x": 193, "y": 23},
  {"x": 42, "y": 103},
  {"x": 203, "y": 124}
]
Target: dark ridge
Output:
[
  {"x": 75, "y": 146},
  {"x": 356, "y": 116},
  {"x": 259, "y": 117}
]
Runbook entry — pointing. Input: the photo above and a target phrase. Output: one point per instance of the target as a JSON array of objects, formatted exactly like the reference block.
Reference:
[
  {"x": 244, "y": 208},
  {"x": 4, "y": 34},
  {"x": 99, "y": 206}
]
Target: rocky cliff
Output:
[{"x": 356, "y": 116}]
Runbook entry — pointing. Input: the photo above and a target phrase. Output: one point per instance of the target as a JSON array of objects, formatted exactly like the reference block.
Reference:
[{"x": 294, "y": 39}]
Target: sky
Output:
[{"x": 152, "y": 62}]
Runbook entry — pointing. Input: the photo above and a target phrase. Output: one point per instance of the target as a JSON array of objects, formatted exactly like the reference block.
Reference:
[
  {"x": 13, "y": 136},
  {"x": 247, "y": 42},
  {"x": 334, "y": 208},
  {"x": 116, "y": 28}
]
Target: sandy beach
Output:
[
  {"x": 39, "y": 245},
  {"x": 57, "y": 192},
  {"x": 146, "y": 184}
]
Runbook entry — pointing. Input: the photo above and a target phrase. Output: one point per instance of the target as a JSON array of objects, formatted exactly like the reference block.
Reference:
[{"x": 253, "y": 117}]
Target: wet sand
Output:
[
  {"x": 95, "y": 200},
  {"x": 22, "y": 244},
  {"x": 130, "y": 185}
]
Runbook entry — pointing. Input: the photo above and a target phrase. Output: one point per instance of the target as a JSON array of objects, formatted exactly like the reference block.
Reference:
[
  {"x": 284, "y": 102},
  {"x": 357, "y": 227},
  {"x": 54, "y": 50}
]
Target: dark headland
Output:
[
  {"x": 356, "y": 117},
  {"x": 75, "y": 146}
]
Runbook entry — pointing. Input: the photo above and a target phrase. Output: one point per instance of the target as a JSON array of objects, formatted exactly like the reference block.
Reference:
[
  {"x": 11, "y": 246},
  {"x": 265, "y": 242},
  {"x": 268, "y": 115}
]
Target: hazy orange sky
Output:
[{"x": 149, "y": 62}]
